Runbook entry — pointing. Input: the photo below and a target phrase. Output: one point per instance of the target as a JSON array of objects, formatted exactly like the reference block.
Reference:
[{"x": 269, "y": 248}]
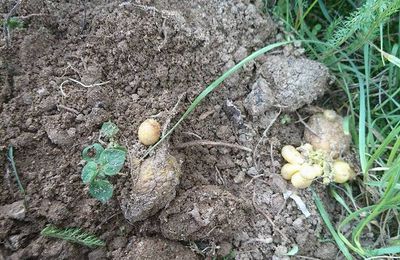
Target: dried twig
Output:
[
  {"x": 80, "y": 83},
  {"x": 268, "y": 217},
  {"x": 212, "y": 143},
  {"x": 68, "y": 108},
  {"x": 262, "y": 138},
  {"x": 305, "y": 124},
  {"x": 7, "y": 17}
]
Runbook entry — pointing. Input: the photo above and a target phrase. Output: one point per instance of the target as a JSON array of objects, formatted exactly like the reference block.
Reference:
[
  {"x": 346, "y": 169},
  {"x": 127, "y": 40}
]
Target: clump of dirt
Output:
[
  {"x": 76, "y": 65},
  {"x": 203, "y": 213},
  {"x": 154, "y": 248}
]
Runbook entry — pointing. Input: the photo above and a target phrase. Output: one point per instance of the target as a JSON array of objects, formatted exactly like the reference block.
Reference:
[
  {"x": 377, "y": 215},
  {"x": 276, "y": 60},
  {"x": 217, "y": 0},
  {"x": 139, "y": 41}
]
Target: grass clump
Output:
[
  {"x": 103, "y": 162},
  {"x": 359, "y": 41},
  {"x": 74, "y": 235}
]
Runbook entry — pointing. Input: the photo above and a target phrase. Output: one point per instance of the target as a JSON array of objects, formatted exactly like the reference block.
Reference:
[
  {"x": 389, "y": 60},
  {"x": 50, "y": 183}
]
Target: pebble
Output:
[{"x": 15, "y": 210}]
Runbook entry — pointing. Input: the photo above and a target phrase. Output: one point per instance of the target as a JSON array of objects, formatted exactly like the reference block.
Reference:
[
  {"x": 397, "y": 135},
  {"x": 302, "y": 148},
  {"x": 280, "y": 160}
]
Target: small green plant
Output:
[
  {"x": 286, "y": 119},
  {"x": 14, "y": 23},
  {"x": 75, "y": 235},
  {"x": 103, "y": 162}
]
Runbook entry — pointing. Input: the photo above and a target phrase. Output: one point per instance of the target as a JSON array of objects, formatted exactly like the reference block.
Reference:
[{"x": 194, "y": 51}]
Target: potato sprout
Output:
[
  {"x": 306, "y": 164},
  {"x": 299, "y": 182},
  {"x": 291, "y": 155}
]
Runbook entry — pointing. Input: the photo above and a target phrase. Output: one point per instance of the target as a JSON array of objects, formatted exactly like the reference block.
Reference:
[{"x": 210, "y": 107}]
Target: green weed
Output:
[
  {"x": 74, "y": 235},
  {"x": 103, "y": 162}
]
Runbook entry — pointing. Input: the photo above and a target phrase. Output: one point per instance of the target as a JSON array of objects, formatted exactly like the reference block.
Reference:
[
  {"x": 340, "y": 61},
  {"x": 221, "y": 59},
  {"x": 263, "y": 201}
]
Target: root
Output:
[{"x": 81, "y": 84}]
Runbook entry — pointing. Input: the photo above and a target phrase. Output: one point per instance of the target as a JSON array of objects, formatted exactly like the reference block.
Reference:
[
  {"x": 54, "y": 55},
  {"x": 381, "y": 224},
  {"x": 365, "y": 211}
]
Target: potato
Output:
[
  {"x": 342, "y": 171},
  {"x": 310, "y": 172},
  {"x": 291, "y": 155},
  {"x": 289, "y": 169},
  {"x": 329, "y": 135},
  {"x": 299, "y": 182},
  {"x": 149, "y": 132},
  {"x": 155, "y": 187}
]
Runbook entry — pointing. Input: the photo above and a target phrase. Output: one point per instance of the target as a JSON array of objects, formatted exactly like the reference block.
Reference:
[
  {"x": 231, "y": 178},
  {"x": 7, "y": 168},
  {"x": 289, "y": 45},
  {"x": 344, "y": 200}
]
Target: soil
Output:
[{"x": 135, "y": 61}]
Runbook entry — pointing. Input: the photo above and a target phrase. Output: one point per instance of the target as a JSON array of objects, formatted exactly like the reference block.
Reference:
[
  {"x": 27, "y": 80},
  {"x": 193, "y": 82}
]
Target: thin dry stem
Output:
[{"x": 212, "y": 143}]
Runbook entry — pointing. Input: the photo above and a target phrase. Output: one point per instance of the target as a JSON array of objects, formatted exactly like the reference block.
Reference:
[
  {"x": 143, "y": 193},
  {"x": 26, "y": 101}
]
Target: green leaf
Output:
[
  {"x": 109, "y": 129},
  {"x": 89, "y": 172},
  {"x": 293, "y": 251},
  {"x": 112, "y": 161},
  {"x": 14, "y": 23},
  {"x": 98, "y": 149},
  {"x": 101, "y": 190}
]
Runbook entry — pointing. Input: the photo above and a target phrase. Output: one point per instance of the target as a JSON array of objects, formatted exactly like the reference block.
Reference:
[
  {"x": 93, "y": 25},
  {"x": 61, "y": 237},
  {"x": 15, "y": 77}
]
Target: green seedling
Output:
[
  {"x": 74, "y": 235},
  {"x": 103, "y": 162},
  {"x": 14, "y": 23}
]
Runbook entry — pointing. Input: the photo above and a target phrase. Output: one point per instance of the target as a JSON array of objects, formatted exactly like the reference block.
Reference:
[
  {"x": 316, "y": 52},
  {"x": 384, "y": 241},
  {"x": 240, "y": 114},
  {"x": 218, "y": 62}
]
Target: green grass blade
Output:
[
  {"x": 10, "y": 158},
  {"x": 215, "y": 84},
  {"x": 328, "y": 223}
]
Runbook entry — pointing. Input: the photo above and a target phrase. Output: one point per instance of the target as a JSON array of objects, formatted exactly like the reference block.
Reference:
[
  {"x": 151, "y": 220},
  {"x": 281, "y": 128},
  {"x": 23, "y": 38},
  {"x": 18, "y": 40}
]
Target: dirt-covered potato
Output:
[
  {"x": 154, "y": 188},
  {"x": 327, "y": 133},
  {"x": 205, "y": 212}
]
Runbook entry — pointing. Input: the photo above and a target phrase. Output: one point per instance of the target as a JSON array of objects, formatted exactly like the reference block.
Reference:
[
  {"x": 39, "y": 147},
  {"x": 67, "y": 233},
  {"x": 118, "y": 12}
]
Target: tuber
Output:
[
  {"x": 325, "y": 132},
  {"x": 149, "y": 132},
  {"x": 291, "y": 155},
  {"x": 342, "y": 171},
  {"x": 299, "y": 182}
]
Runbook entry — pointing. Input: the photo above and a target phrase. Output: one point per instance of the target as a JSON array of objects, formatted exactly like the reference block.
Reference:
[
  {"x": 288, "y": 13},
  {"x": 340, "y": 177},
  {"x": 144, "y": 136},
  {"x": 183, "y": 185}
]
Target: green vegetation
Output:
[
  {"x": 75, "y": 235},
  {"x": 359, "y": 41},
  {"x": 10, "y": 158},
  {"x": 102, "y": 162}
]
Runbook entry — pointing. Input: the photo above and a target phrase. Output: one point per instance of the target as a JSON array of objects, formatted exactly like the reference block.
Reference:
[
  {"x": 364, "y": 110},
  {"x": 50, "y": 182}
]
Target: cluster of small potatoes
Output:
[{"x": 306, "y": 164}]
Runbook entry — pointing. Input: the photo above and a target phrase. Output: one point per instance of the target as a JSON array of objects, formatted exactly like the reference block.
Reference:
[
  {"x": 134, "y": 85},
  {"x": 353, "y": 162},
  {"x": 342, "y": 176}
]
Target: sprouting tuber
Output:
[
  {"x": 319, "y": 157},
  {"x": 325, "y": 132}
]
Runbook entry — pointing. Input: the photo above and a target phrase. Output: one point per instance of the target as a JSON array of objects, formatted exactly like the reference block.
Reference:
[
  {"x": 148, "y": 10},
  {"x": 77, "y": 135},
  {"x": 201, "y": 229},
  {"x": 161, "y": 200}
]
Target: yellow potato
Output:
[
  {"x": 299, "y": 182},
  {"x": 289, "y": 169},
  {"x": 310, "y": 172},
  {"x": 291, "y": 155},
  {"x": 342, "y": 171},
  {"x": 149, "y": 132}
]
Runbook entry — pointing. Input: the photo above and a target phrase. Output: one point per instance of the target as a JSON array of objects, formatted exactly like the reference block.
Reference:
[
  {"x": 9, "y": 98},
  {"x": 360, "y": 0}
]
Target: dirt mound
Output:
[{"x": 74, "y": 66}]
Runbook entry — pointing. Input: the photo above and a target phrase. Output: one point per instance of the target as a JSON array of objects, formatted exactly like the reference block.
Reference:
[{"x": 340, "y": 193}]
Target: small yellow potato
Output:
[
  {"x": 310, "y": 172},
  {"x": 291, "y": 155},
  {"x": 149, "y": 132},
  {"x": 342, "y": 171},
  {"x": 289, "y": 169},
  {"x": 299, "y": 182}
]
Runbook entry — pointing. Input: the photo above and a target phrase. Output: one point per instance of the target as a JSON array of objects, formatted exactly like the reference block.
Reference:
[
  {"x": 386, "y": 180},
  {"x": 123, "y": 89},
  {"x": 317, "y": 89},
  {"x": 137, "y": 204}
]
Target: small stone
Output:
[
  {"x": 15, "y": 210},
  {"x": 326, "y": 251},
  {"x": 298, "y": 224},
  {"x": 97, "y": 254},
  {"x": 260, "y": 99},
  {"x": 252, "y": 171},
  {"x": 240, "y": 177},
  {"x": 225, "y": 249},
  {"x": 281, "y": 250}
]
